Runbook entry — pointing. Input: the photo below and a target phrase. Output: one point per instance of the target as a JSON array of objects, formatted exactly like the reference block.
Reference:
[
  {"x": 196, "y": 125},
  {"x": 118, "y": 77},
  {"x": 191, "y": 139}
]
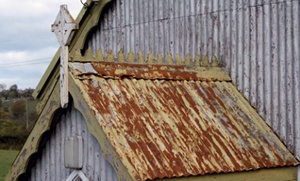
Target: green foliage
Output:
[
  {"x": 3, "y": 114},
  {"x": 18, "y": 109},
  {"x": 13, "y": 91},
  {"x": 6, "y": 159},
  {"x": 12, "y": 135},
  {"x": 26, "y": 93}
]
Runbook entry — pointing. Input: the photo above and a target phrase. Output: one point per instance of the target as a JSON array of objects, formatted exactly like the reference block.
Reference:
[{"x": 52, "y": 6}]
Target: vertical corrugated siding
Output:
[
  {"x": 258, "y": 41},
  {"x": 50, "y": 166}
]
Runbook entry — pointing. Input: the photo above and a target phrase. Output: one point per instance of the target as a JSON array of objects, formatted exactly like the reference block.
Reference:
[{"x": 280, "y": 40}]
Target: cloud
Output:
[
  {"x": 31, "y": 8},
  {"x": 27, "y": 44},
  {"x": 25, "y": 68},
  {"x": 27, "y": 23}
]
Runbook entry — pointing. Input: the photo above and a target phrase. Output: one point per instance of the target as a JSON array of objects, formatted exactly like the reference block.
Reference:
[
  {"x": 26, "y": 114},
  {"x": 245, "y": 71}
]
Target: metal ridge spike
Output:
[
  {"x": 187, "y": 60},
  {"x": 169, "y": 58},
  {"x": 99, "y": 55},
  {"x": 88, "y": 55},
  {"x": 160, "y": 58},
  {"x": 121, "y": 57},
  {"x": 130, "y": 57},
  {"x": 214, "y": 61},
  {"x": 197, "y": 60},
  {"x": 141, "y": 58},
  {"x": 110, "y": 56},
  {"x": 178, "y": 59},
  {"x": 205, "y": 62},
  {"x": 150, "y": 58}
]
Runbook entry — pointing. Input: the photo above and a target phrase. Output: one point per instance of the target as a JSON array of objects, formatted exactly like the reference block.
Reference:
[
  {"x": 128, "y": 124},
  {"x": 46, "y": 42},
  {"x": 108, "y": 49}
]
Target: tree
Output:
[
  {"x": 18, "y": 110},
  {"x": 27, "y": 93},
  {"x": 2, "y": 87},
  {"x": 13, "y": 91},
  {"x": 13, "y": 87},
  {"x": 3, "y": 114},
  {"x": 4, "y": 94}
]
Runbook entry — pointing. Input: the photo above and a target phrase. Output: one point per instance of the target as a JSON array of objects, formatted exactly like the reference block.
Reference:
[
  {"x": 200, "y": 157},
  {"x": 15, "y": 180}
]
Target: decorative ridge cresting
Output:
[{"x": 141, "y": 58}]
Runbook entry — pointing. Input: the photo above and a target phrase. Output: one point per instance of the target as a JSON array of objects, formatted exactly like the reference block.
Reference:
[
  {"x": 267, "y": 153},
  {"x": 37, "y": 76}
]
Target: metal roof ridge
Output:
[{"x": 114, "y": 70}]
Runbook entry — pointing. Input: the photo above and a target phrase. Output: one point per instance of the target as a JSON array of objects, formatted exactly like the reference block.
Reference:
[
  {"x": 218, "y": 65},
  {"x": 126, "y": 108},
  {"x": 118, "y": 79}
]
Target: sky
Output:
[{"x": 27, "y": 44}]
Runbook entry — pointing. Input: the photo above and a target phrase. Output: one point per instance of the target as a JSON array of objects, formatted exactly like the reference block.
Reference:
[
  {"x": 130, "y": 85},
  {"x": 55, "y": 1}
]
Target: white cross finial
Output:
[{"x": 63, "y": 28}]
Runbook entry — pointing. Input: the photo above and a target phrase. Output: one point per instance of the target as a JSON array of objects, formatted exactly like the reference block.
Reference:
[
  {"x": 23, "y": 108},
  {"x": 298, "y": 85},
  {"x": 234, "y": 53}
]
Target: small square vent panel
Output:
[{"x": 73, "y": 152}]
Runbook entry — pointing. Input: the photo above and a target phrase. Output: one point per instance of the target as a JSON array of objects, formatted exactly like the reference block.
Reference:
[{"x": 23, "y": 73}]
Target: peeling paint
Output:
[
  {"x": 164, "y": 127},
  {"x": 142, "y": 71}
]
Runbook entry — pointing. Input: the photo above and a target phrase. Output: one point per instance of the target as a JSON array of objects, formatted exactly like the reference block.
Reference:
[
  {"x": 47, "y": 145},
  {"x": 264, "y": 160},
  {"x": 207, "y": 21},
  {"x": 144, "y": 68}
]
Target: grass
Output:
[{"x": 6, "y": 159}]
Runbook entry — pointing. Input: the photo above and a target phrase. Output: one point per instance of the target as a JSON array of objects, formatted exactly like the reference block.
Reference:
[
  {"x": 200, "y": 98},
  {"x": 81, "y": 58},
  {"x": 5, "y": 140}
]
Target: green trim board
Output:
[
  {"x": 44, "y": 122},
  {"x": 95, "y": 129},
  {"x": 32, "y": 143}
]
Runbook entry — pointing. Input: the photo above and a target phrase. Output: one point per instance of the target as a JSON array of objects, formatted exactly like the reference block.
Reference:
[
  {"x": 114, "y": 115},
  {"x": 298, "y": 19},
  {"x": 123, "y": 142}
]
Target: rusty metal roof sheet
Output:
[{"x": 181, "y": 125}]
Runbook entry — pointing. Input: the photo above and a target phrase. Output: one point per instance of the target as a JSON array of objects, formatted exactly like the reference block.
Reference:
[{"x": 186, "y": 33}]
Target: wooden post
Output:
[{"x": 63, "y": 28}]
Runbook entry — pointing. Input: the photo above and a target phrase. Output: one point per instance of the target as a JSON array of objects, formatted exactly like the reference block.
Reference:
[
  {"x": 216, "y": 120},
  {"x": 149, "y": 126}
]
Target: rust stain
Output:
[
  {"x": 143, "y": 71},
  {"x": 140, "y": 71},
  {"x": 166, "y": 122}
]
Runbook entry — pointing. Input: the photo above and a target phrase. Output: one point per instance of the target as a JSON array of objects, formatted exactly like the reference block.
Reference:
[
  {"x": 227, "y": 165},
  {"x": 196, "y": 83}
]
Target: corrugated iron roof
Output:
[{"x": 167, "y": 124}]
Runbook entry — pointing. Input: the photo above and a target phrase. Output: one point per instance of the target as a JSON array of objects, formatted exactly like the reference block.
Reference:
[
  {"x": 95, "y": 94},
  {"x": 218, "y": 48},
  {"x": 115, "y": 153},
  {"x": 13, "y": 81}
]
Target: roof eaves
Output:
[{"x": 149, "y": 72}]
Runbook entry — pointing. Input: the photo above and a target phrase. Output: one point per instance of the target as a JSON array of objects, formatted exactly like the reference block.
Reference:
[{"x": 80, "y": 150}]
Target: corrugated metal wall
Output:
[
  {"x": 258, "y": 41},
  {"x": 50, "y": 166}
]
